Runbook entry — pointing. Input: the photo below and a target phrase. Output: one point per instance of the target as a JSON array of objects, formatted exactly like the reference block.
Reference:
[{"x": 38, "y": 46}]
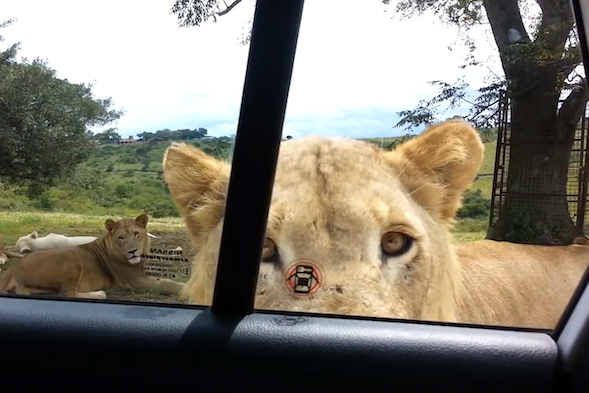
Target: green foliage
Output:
[
  {"x": 146, "y": 163},
  {"x": 474, "y": 205},
  {"x": 44, "y": 202},
  {"x": 161, "y": 209},
  {"x": 167, "y": 134},
  {"x": 116, "y": 179},
  {"x": 44, "y": 122},
  {"x": 488, "y": 135},
  {"x": 107, "y": 136}
]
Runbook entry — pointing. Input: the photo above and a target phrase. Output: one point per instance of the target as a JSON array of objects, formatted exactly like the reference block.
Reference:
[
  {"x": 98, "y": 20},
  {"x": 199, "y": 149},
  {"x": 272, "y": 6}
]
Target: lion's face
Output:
[
  {"x": 23, "y": 242},
  {"x": 374, "y": 223},
  {"x": 128, "y": 237}
]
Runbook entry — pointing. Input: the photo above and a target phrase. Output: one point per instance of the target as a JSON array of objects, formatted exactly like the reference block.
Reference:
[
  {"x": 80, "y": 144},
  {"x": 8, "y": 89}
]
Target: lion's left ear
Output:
[
  {"x": 440, "y": 164},
  {"x": 142, "y": 220}
]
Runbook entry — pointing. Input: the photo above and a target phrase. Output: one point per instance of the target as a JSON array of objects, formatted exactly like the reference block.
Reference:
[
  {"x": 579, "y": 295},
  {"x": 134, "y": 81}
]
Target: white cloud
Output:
[{"x": 355, "y": 66}]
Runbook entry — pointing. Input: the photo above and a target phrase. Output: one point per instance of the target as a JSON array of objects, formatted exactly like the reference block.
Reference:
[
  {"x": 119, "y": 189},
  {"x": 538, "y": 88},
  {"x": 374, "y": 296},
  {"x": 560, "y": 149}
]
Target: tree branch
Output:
[
  {"x": 506, "y": 23},
  {"x": 229, "y": 8},
  {"x": 574, "y": 106},
  {"x": 556, "y": 24}
]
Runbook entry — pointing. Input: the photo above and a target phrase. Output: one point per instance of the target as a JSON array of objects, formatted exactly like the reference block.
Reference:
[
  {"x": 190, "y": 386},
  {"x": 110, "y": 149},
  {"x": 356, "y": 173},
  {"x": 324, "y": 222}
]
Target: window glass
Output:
[
  {"x": 91, "y": 96},
  {"x": 391, "y": 156},
  {"x": 432, "y": 164}
]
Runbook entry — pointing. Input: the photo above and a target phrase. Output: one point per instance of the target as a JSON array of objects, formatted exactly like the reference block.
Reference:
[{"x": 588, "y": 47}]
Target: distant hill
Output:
[{"x": 131, "y": 181}]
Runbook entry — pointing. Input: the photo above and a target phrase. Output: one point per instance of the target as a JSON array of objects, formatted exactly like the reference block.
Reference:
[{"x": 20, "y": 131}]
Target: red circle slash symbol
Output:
[{"x": 303, "y": 279}]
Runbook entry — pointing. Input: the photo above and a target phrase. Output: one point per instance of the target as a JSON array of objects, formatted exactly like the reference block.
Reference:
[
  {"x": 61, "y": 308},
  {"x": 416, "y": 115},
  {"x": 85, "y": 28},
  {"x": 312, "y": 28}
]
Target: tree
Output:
[
  {"x": 109, "y": 135},
  {"x": 200, "y": 133},
  {"x": 164, "y": 134},
  {"x": 146, "y": 135},
  {"x": 539, "y": 65},
  {"x": 185, "y": 133},
  {"x": 44, "y": 122}
]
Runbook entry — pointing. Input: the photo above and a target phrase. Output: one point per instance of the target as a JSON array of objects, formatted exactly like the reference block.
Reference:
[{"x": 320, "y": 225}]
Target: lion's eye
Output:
[
  {"x": 121, "y": 238},
  {"x": 395, "y": 243},
  {"x": 270, "y": 251},
  {"x": 136, "y": 234}
]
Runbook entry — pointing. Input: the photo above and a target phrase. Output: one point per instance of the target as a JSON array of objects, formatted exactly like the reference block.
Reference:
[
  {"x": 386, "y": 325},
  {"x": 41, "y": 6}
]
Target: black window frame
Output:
[{"x": 229, "y": 346}]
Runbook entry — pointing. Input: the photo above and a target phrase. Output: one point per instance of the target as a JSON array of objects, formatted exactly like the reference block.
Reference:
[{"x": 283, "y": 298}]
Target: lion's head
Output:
[
  {"x": 127, "y": 238},
  {"x": 374, "y": 222},
  {"x": 23, "y": 242}
]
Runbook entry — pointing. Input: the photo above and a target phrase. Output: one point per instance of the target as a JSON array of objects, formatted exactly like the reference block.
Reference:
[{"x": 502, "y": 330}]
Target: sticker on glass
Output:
[{"x": 303, "y": 278}]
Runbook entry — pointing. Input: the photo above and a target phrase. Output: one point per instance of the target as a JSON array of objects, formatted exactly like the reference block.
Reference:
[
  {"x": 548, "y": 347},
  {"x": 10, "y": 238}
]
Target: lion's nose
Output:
[{"x": 132, "y": 252}]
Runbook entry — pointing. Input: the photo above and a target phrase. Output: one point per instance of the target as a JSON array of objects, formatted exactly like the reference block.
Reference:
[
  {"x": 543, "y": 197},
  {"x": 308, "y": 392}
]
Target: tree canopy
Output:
[
  {"x": 167, "y": 134},
  {"x": 197, "y": 12},
  {"x": 44, "y": 121},
  {"x": 535, "y": 40},
  {"x": 109, "y": 135}
]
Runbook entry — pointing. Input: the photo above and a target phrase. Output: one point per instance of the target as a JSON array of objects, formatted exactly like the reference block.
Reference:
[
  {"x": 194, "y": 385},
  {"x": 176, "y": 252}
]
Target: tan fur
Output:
[
  {"x": 517, "y": 284},
  {"x": 333, "y": 200},
  {"x": 111, "y": 261}
]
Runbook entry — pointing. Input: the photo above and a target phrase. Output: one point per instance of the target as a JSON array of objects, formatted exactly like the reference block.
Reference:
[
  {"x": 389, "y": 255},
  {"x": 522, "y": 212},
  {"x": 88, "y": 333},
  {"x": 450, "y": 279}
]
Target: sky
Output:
[{"x": 356, "y": 64}]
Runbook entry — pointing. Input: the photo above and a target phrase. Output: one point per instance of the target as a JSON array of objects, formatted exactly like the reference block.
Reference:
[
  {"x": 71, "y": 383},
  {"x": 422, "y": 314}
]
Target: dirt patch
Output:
[{"x": 168, "y": 240}]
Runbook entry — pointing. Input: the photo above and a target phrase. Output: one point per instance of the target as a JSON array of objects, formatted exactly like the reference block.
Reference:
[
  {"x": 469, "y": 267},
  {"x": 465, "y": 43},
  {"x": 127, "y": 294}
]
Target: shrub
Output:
[
  {"x": 161, "y": 209},
  {"x": 44, "y": 202},
  {"x": 474, "y": 205}
]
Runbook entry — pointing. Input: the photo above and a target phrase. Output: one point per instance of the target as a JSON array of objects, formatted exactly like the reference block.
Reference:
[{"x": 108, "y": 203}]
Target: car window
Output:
[
  {"x": 84, "y": 131},
  {"x": 432, "y": 165}
]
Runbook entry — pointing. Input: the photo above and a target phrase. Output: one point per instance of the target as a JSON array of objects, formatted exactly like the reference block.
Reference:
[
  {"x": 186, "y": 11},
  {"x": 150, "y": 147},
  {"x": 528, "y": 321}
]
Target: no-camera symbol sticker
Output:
[{"x": 303, "y": 278}]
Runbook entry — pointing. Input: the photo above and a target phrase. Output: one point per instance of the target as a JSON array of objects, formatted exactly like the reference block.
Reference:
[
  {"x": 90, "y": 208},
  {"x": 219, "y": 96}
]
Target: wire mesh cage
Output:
[{"x": 576, "y": 178}]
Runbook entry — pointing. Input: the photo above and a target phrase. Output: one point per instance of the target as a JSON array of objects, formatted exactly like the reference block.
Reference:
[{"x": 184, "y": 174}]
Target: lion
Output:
[
  {"x": 372, "y": 228},
  {"x": 85, "y": 271},
  {"x": 32, "y": 241}
]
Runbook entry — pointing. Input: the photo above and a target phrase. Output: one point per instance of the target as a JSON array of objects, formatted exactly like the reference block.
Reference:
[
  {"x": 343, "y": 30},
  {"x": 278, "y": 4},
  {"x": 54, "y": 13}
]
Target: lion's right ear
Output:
[
  {"x": 440, "y": 164},
  {"x": 110, "y": 225},
  {"x": 198, "y": 185},
  {"x": 34, "y": 235}
]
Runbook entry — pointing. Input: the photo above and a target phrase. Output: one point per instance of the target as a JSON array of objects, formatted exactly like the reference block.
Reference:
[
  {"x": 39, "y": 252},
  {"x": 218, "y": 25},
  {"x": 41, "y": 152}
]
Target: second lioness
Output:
[{"x": 85, "y": 271}]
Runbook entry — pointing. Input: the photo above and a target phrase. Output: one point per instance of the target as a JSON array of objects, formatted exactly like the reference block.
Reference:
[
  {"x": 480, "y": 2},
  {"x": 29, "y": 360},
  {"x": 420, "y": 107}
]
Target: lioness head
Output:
[
  {"x": 372, "y": 224},
  {"x": 23, "y": 242},
  {"x": 128, "y": 237}
]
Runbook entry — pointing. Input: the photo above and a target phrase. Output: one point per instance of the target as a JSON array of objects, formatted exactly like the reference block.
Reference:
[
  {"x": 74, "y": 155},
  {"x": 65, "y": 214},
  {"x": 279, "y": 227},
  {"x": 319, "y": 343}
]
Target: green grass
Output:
[
  {"x": 488, "y": 165},
  {"x": 485, "y": 184},
  {"x": 468, "y": 230},
  {"x": 16, "y": 224}
]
